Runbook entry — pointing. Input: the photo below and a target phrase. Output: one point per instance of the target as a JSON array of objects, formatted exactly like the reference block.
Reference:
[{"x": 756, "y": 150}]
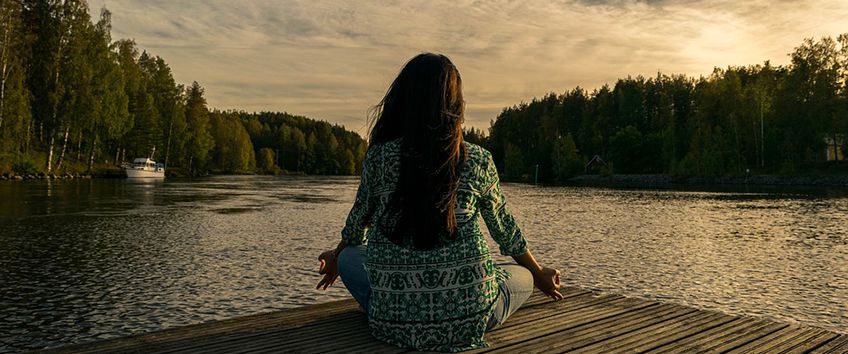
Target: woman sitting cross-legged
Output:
[{"x": 412, "y": 253}]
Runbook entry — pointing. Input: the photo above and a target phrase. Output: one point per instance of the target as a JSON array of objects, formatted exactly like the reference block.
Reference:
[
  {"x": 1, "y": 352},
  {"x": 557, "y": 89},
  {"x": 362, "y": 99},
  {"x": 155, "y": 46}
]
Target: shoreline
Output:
[
  {"x": 42, "y": 175},
  {"x": 660, "y": 181},
  {"x": 120, "y": 174},
  {"x": 635, "y": 181}
]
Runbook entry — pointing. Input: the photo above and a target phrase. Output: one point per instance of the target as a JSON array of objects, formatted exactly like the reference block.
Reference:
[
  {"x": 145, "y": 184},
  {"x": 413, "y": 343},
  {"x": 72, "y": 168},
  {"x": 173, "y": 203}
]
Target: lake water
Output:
[{"x": 84, "y": 260}]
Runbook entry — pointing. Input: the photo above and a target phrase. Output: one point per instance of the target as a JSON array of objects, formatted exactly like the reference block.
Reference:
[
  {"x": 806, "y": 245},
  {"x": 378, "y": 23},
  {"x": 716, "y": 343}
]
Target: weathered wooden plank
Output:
[
  {"x": 583, "y": 322},
  {"x": 304, "y": 331},
  {"x": 368, "y": 346},
  {"x": 531, "y": 311},
  {"x": 660, "y": 333},
  {"x": 287, "y": 318},
  {"x": 701, "y": 341},
  {"x": 315, "y": 340},
  {"x": 739, "y": 339},
  {"x": 346, "y": 342},
  {"x": 339, "y": 328},
  {"x": 542, "y": 312},
  {"x": 538, "y": 298},
  {"x": 574, "y": 332},
  {"x": 587, "y": 306},
  {"x": 341, "y": 337},
  {"x": 819, "y": 338},
  {"x": 527, "y": 314},
  {"x": 605, "y": 330},
  {"x": 672, "y": 334},
  {"x": 599, "y": 331},
  {"x": 559, "y": 322},
  {"x": 836, "y": 345},
  {"x": 774, "y": 338},
  {"x": 246, "y": 332},
  {"x": 788, "y": 342}
]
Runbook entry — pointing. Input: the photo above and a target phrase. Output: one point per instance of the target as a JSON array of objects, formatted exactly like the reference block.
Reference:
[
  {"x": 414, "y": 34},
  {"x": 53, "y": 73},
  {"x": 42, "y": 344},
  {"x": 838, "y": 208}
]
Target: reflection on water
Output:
[{"x": 83, "y": 260}]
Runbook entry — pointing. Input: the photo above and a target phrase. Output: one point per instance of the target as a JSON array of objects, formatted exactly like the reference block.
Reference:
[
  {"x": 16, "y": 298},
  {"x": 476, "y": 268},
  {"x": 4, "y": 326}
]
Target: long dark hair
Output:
[{"x": 424, "y": 107}]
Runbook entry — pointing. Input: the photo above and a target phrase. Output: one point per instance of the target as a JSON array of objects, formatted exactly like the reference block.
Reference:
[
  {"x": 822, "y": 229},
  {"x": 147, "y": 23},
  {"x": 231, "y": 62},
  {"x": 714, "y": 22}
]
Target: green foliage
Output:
[
  {"x": 265, "y": 161},
  {"x": 474, "y": 136},
  {"x": 24, "y": 165},
  {"x": 15, "y": 115},
  {"x": 566, "y": 160},
  {"x": 515, "y": 168},
  {"x": 764, "y": 118},
  {"x": 347, "y": 164},
  {"x": 306, "y": 145},
  {"x": 233, "y": 151},
  {"x": 293, "y": 145},
  {"x": 69, "y": 93},
  {"x": 200, "y": 141},
  {"x": 626, "y": 150},
  {"x": 73, "y": 98}
]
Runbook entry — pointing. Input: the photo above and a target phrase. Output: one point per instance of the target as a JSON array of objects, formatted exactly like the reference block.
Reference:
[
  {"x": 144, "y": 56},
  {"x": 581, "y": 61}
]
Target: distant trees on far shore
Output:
[
  {"x": 760, "y": 118},
  {"x": 297, "y": 144},
  {"x": 73, "y": 100}
]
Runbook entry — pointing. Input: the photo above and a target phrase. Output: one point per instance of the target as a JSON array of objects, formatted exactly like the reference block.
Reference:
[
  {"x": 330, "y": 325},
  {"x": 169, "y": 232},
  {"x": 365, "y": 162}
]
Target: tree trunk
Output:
[
  {"x": 55, "y": 107},
  {"x": 4, "y": 70},
  {"x": 762, "y": 137},
  {"x": 64, "y": 147},
  {"x": 50, "y": 153},
  {"x": 79, "y": 145},
  {"x": 168, "y": 144},
  {"x": 29, "y": 132},
  {"x": 91, "y": 155},
  {"x": 117, "y": 154},
  {"x": 756, "y": 141}
]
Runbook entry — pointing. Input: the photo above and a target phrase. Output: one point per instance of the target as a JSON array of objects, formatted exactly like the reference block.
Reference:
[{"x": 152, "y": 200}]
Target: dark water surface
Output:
[{"x": 91, "y": 259}]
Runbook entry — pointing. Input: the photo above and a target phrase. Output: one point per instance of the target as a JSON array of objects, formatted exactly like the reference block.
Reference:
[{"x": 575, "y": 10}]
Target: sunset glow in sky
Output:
[{"x": 332, "y": 60}]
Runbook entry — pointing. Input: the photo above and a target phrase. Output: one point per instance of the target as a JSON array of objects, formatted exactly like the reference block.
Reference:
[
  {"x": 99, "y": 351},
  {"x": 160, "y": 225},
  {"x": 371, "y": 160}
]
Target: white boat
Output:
[{"x": 145, "y": 167}]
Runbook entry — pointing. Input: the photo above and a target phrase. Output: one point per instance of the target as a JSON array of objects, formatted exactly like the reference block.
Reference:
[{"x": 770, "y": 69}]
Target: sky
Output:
[{"x": 332, "y": 60}]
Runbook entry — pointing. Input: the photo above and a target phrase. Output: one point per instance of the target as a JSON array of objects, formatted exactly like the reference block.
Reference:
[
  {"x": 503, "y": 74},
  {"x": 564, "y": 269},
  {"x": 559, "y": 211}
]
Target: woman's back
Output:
[
  {"x": 426, "y": 277},
  {"x": 438, "y": 299}
]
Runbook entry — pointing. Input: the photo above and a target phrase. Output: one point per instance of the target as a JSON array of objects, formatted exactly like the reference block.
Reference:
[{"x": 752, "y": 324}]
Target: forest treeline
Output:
[
  {"x": 762, "y": 118},
  {"x": 73, "y": 100}
]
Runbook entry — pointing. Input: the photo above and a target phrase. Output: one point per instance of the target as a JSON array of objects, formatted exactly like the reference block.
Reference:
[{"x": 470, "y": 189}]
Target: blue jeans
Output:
[{"x": 513, "y": 293}]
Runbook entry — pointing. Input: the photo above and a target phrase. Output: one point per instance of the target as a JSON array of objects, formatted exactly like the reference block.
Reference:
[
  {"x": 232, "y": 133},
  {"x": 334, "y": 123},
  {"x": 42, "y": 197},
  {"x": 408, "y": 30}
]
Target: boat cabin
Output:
[
  {"x": 143, "y": 163},
  {"x": 146, "y": 164}
]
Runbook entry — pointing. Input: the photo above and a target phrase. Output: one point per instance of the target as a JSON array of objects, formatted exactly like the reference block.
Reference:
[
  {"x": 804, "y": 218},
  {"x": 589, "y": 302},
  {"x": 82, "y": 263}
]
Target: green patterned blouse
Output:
[{"x": 439, "y": 299}]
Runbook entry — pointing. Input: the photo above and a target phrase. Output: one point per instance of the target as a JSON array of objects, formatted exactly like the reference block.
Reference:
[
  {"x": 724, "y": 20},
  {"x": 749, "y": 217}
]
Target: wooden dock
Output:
[{"x": 583, "y": 322}]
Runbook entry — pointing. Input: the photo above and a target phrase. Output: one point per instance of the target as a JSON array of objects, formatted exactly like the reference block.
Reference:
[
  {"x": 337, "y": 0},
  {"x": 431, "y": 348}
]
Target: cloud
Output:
[{"x": 333, "y": 59}]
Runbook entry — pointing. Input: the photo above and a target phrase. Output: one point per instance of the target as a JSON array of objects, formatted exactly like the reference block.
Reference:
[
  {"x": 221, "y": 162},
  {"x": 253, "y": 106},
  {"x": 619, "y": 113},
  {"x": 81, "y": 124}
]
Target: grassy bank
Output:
[{"x": 34, "y": 166}]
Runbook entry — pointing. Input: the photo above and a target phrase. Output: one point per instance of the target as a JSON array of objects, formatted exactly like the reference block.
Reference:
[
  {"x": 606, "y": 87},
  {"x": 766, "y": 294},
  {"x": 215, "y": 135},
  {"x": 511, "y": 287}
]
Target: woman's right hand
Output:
[
  {"x": 547, "y": 281},
  {"x": 329, "y": 268}
]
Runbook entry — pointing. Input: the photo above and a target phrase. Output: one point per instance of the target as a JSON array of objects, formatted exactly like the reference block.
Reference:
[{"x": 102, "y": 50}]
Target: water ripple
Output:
[{"x": 94, "y": 259}]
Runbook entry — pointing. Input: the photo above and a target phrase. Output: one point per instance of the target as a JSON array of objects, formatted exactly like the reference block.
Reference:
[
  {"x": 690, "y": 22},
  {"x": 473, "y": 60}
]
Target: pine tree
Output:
[{"x": 200, "y": 141}]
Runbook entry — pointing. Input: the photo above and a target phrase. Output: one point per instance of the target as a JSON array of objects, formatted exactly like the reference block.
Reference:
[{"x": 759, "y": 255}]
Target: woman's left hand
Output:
[
  {"x": 547, "y": 280},
  {"x": 329, "y": 268}
]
